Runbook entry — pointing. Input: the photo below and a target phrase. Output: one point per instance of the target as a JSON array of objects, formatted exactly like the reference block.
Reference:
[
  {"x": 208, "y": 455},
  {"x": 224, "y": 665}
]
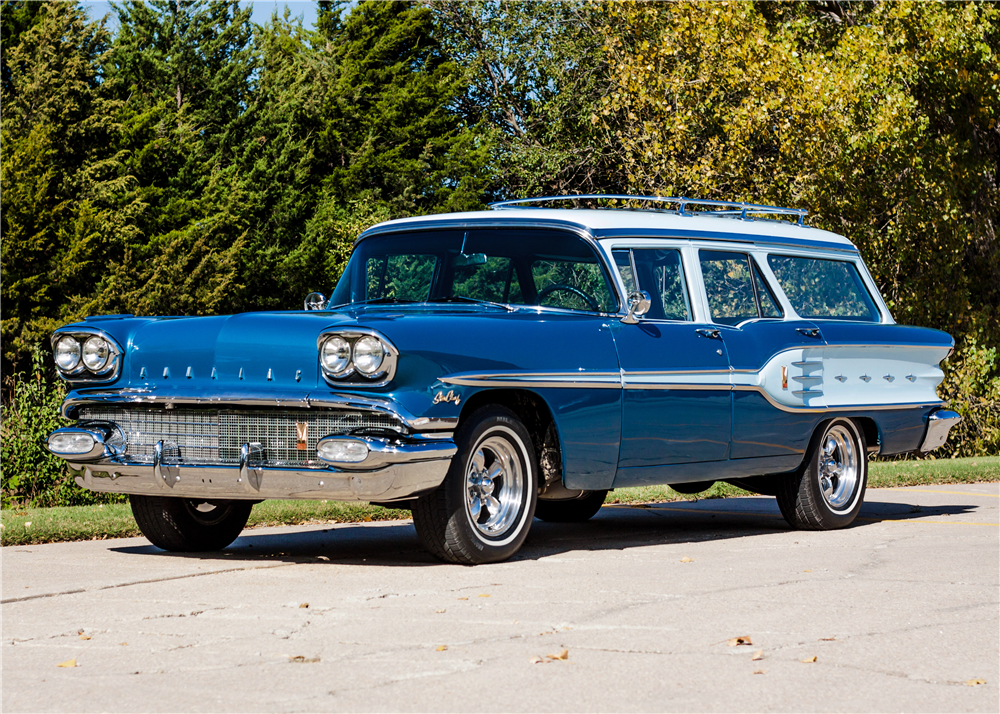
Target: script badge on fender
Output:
[
  {"x": 301, "y": 435},
  {"x": 449, "y": 397}
]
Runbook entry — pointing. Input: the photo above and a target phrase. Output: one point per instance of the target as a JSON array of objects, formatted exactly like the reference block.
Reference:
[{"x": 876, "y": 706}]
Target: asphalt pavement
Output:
[{"x": 639, "y": 609}]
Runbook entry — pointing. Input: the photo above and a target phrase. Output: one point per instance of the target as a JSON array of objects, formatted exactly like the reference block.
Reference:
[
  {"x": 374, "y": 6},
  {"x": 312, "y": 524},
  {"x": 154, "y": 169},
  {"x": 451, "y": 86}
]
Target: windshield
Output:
[{"x": 514, "y": 267}]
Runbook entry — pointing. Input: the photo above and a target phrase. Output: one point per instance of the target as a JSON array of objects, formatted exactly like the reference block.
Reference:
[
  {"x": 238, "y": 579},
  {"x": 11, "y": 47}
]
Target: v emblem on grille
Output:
[{"x": 301, "y": 435}]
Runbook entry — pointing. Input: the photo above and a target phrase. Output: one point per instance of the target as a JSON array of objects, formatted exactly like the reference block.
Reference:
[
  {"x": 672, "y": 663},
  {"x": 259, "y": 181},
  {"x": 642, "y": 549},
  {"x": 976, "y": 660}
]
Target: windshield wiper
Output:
[
  {"x": 382, "y": 301},
  {"x": 475, "y": 301}
]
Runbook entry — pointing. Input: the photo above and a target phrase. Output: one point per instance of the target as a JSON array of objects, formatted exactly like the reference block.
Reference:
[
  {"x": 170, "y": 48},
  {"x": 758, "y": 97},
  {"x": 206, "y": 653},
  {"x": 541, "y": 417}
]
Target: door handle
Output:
[
  {"x": 809, "y": 332},
  {"x": 709, "y": 333}
]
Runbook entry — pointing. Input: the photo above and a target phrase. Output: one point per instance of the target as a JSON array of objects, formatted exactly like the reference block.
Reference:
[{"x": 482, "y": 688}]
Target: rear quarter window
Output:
[{"x": 824, "y": 289}]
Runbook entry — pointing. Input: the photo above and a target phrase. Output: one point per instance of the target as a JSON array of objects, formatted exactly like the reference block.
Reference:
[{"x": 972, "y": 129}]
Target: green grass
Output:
[{"x": 44, "y": 525}]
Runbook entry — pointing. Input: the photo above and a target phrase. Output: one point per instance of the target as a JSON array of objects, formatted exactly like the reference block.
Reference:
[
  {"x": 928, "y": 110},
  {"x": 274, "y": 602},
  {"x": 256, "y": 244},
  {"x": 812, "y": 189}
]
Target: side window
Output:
[
  {"x": 825, "y": 289},
  {"x": 768, "y": 305},
  {"x": 729, "y": 286},
  {"x": 623, "y": 261},
  {"x": 660, "y": 274},
  {"x": 487, "y": 278}
]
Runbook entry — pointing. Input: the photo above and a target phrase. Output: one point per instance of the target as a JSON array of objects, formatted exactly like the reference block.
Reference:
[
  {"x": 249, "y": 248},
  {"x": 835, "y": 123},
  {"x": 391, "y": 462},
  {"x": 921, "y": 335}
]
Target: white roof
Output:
[{"x": 622, "y": 222}]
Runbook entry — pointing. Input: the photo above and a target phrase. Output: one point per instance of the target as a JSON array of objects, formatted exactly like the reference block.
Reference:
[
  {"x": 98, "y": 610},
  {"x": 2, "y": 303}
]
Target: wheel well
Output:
[
  {"x": 870, "y": 430},
  {"x": 536, "y": 416}
]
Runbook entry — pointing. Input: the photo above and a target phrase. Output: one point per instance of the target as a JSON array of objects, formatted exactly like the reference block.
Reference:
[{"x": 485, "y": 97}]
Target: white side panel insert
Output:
[{"x": 832, "y": 376}]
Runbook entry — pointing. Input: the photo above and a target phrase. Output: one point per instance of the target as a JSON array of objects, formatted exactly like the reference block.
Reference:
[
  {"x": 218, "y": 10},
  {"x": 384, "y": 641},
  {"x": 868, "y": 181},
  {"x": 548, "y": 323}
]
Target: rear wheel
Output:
[
  {"x": 828, "y": 491},
  {"x": 189, "y": 525},
  {"x": 483, "y": 510},
  {"x": 574, "y": 510}
]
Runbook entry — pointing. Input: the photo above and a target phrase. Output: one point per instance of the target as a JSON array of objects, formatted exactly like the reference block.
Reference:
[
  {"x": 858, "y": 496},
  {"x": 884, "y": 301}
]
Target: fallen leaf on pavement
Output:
[
  {"x": 304, "y": 605},
  {"x": 84, "y": 637},
  {"x": 758, "y": 655},
  {"x": 968, "y": 682},
  {"x": 462, "y": 598},
  {"x": 441, "y": 648},
  {"x": 744, "y": 640},
  {"x": 827, "y": 639},
  {"x": 808, "y": 660},
  {"x": 123, "y": 644},
  {"x": 686, "y": 559},
  {"x": 483, "y": 595},
  {"x": 806, "y": 571},
  {"x": 537, "y": 660},
  {"x": 440, "y": 611},
  {"x": 760, "y": 671},
  {"x": 562, "y": 655},
  {"x": 301, "y": 659},
  {"x": 67, "y": 663}
]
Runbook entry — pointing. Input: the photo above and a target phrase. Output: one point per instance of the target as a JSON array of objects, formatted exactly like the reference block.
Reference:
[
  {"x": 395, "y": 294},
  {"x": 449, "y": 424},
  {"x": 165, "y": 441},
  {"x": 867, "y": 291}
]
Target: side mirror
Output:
[
  {"x": 315, "y": 301},
  {"x": 638, "y": 305}
]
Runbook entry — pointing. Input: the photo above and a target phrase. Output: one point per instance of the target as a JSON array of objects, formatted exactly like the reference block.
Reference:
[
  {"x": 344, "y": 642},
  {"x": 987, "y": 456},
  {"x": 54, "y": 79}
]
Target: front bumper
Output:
[{"x": 397, "y": 470}]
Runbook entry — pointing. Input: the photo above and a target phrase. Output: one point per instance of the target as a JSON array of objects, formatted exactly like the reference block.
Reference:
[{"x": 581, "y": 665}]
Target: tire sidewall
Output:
[
  {"x": 843, "y": 517},
  {"x": 486, "y": 423}
]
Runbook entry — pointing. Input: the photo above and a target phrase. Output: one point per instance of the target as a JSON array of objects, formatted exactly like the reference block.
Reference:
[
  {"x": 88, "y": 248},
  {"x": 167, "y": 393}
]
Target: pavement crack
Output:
[{"x": 144, "y": 582}]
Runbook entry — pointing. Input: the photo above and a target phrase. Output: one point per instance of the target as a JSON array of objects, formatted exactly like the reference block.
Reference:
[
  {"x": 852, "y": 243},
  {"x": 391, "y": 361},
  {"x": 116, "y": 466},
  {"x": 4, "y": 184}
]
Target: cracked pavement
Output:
[{"x": 901, "y": 612}]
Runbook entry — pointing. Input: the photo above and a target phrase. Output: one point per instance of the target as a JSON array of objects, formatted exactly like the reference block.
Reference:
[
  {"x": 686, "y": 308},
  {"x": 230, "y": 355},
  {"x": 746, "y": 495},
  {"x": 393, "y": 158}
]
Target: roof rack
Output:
[{"x": 721, "y": 208}]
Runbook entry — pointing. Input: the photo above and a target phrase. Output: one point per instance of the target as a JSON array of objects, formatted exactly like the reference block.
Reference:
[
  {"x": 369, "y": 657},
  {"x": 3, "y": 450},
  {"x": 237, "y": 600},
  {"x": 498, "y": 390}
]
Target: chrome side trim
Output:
[
  {"x": 837, "y": 408},
  {"x": 939, "y": 423},
  {"x": 571, "y": 380}
]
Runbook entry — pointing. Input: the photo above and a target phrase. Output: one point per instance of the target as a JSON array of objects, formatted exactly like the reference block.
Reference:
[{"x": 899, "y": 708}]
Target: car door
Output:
[
  {"x": 677, "y": 403},
  {"x": 776, "y": 359}
]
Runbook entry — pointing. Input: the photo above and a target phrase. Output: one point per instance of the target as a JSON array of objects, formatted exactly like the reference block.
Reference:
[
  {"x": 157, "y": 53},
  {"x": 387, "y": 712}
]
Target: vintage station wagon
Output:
[{"x": 487, "y": 368}]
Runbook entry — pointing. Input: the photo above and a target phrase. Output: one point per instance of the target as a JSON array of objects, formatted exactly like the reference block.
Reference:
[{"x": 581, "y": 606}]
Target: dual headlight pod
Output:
[
  {"x": 367, "y": 356},
  {"x": 79, "y": 352}
]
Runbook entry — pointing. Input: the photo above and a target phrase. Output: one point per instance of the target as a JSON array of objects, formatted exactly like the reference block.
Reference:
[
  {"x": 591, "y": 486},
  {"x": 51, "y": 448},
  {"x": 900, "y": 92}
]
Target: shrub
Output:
[
  {"x": 31, "y": 476},
  {"x": 971, "y": 387}
]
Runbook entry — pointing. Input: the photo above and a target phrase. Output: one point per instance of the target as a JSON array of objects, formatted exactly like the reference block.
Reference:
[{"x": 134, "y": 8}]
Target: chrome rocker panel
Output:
[{"x": 393, "y": 471}]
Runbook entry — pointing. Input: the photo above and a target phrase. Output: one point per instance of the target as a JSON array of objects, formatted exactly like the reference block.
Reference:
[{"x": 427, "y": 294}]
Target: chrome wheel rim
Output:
[
  {"x": 207, "y": 513},
  {"x": 839, "y": 467},
  {"x": 495, "y": 482}
]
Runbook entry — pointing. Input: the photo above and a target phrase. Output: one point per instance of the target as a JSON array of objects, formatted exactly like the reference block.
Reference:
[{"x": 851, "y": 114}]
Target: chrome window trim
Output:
[{"x": 80, "y": 373}]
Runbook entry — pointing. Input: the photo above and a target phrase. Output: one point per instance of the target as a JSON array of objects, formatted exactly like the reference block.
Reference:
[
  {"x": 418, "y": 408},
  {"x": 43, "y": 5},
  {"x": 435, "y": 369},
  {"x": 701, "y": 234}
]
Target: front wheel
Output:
[
  {"x": 828, "y": 491},
  {"x": 483, "y": 510},
  {"x": 189, "y": 525}
]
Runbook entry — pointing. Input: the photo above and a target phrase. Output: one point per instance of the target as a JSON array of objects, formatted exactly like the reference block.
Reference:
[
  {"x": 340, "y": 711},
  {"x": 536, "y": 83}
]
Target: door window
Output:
[
  {"x": 658, "y": 272},
  {"x": 735, "y": 288}
]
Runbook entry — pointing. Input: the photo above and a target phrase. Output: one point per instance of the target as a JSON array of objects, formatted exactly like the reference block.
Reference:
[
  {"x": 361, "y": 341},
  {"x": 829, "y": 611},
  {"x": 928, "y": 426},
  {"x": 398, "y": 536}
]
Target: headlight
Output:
[
  {"x": 368, "y": 355},
  {"x": 67, "y": 354},
  {"x": 96, "y": 353},
  {"x": 336, "y": 355}
]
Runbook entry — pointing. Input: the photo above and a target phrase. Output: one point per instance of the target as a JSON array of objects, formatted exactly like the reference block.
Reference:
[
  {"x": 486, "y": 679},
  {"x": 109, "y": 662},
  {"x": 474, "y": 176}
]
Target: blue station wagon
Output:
[{"x": 487, "y": 368}]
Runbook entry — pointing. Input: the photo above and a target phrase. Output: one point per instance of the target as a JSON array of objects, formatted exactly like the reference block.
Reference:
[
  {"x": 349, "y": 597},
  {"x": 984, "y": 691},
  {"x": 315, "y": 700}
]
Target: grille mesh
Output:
[{"x": 215, "y": 437}]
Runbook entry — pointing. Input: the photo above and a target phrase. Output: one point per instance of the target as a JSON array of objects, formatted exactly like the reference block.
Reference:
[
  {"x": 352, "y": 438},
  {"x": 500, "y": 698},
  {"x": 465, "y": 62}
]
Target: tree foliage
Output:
[{"x": 193, "y": 162}]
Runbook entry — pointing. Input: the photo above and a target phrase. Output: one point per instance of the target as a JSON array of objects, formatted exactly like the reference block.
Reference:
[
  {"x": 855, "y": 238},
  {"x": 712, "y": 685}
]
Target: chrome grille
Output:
[{"x": 212, "y": 437}]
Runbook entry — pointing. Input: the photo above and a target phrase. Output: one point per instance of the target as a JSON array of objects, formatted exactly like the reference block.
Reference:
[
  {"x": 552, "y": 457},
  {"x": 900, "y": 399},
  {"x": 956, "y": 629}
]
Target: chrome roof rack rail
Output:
[{"x": 729, "y": 209}]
